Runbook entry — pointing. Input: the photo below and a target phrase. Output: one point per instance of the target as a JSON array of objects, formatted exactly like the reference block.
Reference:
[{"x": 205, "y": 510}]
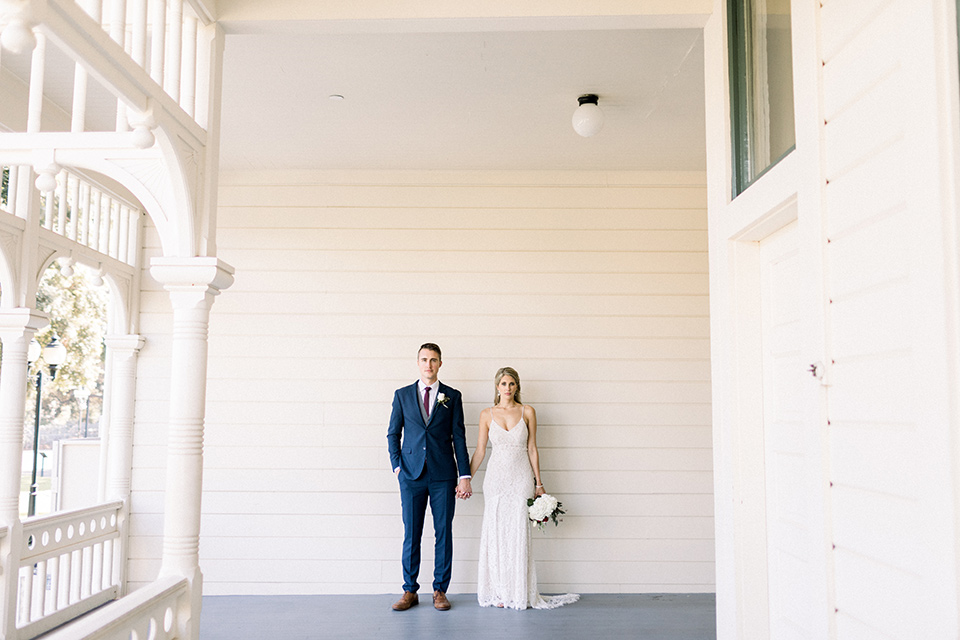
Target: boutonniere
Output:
[{"x": 442, "y": 399}]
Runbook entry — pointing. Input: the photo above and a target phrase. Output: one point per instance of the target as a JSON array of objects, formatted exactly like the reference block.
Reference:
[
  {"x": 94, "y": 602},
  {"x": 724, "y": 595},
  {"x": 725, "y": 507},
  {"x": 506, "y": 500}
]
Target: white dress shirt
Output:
[{"x": 434, "y": 389}]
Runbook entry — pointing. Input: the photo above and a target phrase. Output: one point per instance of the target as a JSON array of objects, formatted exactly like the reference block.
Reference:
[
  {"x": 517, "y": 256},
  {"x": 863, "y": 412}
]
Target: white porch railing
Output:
[
  {"x": 151, "y": 613},
  {"x": 85, "y": 212},
  {"x": 68, "y": 565},
  {"x": 82, "y": 211},
  {"x": 161, "y": 37}
]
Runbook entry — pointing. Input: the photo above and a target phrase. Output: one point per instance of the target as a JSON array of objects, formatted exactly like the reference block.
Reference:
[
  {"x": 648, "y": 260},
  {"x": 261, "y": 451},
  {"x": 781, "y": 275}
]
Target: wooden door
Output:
[{"x": 787, "y": 447}]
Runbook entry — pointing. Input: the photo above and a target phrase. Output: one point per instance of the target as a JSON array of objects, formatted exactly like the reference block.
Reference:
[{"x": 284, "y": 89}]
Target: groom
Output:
[{"x": 429, "y": 416}]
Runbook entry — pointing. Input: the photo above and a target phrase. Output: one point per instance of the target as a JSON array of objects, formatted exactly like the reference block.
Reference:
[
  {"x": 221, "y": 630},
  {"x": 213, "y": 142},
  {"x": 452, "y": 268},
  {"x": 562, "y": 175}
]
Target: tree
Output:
[{"x": 78, "y": 315}]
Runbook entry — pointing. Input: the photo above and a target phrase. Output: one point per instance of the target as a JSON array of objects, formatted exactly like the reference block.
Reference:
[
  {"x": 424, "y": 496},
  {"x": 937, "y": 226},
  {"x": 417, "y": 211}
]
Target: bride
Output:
[{"x": 507, "y": 576}]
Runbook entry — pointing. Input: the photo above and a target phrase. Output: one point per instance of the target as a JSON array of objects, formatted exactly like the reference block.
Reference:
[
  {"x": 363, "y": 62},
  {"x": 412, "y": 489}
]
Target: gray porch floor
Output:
[{"x": 647, "y": 616}]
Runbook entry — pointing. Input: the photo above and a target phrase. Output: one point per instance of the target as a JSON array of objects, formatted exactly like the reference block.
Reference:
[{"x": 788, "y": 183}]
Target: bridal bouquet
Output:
[{"x": 544, "y": 509}]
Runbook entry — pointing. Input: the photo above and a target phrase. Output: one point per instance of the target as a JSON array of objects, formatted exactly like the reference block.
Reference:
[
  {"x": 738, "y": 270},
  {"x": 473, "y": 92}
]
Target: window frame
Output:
[{"x": 738, "y": 48}]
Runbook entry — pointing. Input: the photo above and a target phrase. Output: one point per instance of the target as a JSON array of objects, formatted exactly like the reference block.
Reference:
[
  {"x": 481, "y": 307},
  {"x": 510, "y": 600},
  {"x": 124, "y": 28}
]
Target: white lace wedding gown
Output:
[{"x": 507, "y": 575}]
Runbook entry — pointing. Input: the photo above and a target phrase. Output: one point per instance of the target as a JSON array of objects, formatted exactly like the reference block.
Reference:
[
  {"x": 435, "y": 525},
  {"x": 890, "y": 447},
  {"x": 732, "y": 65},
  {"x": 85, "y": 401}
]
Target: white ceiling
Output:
[{"x": 462, "y": 99}]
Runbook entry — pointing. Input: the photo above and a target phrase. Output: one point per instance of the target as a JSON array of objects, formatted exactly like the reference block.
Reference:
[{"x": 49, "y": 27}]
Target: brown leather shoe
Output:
[
  {"x": 407, "y": 600},
  {"x": 440, "y": 602}
]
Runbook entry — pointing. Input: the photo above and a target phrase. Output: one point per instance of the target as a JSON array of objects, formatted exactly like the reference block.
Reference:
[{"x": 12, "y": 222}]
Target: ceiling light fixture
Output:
[{"x": 588, "y": 117}]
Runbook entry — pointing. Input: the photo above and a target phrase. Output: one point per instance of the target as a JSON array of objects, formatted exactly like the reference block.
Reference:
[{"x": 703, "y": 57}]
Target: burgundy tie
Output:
[{"x": 426, "y": 401}]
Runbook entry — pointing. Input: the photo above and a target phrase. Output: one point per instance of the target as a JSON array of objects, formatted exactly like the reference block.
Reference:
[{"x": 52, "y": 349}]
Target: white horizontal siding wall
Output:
[
  {"x": 889, "y": 406},
  {"x": 594, "y": 286},
  {"x": 872, "y": 186}
]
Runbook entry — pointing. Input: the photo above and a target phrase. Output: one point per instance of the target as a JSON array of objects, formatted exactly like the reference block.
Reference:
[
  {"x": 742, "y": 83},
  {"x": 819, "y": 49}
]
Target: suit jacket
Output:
[{"x": 439, "y": 445}]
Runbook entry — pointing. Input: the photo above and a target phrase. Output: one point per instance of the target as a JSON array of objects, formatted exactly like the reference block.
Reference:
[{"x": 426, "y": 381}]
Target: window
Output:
[{"x": 761, "y": 87}]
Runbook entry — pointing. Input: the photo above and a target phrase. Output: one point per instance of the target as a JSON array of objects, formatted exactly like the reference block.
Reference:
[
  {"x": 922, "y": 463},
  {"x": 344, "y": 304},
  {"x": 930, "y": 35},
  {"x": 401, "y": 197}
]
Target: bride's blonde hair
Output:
[{"x": 506, "y": 371}]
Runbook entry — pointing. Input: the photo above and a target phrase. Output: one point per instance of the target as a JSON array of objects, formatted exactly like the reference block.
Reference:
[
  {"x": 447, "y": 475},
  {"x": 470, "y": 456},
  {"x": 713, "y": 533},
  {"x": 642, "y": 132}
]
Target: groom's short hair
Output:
[{"x": 430, "y": 346}]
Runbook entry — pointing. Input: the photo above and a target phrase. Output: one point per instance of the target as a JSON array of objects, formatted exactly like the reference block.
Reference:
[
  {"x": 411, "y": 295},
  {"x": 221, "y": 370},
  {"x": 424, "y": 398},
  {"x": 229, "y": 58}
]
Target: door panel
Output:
[{"x": 786, "y": 448}]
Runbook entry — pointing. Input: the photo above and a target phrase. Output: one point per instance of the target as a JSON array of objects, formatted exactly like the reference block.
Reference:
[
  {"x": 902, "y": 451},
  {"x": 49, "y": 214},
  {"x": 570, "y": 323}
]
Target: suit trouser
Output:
[{"x": 442, "y": 496}]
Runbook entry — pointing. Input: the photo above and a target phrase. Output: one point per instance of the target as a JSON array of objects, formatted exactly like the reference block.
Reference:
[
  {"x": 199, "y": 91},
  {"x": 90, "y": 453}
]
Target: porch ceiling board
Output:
[
  {"x": 444, "y": 97},
  {"x": 248, "y": 15}
]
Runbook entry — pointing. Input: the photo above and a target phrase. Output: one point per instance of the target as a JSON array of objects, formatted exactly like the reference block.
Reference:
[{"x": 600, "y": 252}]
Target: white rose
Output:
[
  {"x": 441, "y": 397},
  {"x": 542, "y": 507},
  {"x": 536, "y": 512},
  {"x": 550, "y": 503}
]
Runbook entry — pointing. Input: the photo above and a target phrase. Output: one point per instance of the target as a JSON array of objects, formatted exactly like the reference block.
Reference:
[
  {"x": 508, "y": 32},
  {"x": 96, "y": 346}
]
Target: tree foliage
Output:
[{"x": 78, "y": 315}]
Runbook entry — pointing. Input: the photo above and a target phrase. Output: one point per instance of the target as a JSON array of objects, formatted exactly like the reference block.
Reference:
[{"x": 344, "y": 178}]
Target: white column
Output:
[
  {"x": 122, "y": 352},
  {"x": 193, "y": 283},
  {"x": 117, "y": 439},
  {"x": 17, "y": 327}
]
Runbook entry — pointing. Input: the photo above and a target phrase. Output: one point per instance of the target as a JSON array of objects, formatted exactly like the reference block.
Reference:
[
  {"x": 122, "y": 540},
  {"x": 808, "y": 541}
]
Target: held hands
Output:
[{"x": 464, "y": 490}]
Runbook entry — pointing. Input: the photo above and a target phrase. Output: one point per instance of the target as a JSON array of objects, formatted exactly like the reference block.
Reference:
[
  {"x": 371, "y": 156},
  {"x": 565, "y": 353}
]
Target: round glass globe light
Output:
[
  {"x": 33, "y": 351},
  {"x": 588, "y": 120},
  {"x": 55, "y": 353}
]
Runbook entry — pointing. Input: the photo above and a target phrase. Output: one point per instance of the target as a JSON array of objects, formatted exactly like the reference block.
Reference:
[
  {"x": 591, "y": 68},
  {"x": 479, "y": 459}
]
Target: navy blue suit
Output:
[{"x": 432, "y": 456}]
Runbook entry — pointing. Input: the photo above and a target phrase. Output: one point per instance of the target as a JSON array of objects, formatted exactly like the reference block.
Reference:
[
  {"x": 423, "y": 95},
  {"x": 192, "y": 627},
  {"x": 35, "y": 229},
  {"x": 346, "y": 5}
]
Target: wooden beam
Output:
[
  {"x": 206, "y": 10},
  {"x": 256, "y": 16}
]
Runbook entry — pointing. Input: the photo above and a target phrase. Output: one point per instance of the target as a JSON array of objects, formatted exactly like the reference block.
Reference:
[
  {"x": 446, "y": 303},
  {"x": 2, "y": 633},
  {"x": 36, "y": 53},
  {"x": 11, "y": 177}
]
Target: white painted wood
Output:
[
  {"x": 86, "y": 195},
  {"x": 668, "y": 194},
  {"x": 75, "y": 473},
  {"x": 62, "y": 206},
  {"x": 873, "y": 88},
  {"x": 93, "y": 222},
  {"x": 608, "y": 301},
  {"x": 94, "y": 8},
  {"x": 785, "y": 401},
  {"x": 174, "y": 49},
  {"x": 122, "y": 352},
  {"x": 138, "y": 20},
  {"x": 37, "y": 68},
  {"x": 118, "y": 31},
  {"x": 17, "y": 328},
  {"x": 188, "y": 73},
  {"x": 49, "y": 206},
  {"x": 118, "y": 21},
  {"x": 79, "y": 537},
  {"x": 162, "y": 601},
  {"x": 158, "y": 30},
  {"x": 114, "y": 227},
  {"x": 193, "y": 283},
  {"x": 123, "y": 234},
  {"x": 880, "y": 428},
  {"x": 77, "y": 208}
]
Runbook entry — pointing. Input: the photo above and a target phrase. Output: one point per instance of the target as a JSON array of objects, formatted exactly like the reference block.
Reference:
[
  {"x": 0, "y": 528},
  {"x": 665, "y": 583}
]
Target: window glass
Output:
[{"x": 761, "y": 86}]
